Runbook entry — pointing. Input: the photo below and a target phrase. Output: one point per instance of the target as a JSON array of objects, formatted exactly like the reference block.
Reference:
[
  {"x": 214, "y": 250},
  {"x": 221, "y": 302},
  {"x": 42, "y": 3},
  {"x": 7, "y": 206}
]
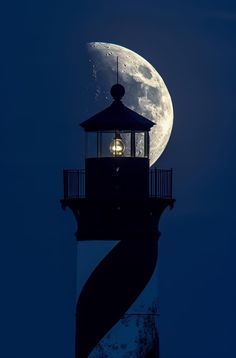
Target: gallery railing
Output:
[
  {"x": 74, "y": 183},
  {"x": 160, "y": 183}
]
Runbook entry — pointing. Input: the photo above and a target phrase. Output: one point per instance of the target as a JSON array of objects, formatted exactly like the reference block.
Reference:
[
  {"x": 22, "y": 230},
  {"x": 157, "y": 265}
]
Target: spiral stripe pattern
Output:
[{"x": 111, "y": 289}]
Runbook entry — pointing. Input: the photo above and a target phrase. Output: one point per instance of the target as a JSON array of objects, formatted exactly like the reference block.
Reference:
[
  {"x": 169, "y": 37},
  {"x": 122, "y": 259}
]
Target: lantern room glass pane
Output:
[
  {"x": 139, "y": 145},
  {"x": 106, "y": 141},
  {"x": 126, "y": 138},
  {"x": 91, "y": 145}
]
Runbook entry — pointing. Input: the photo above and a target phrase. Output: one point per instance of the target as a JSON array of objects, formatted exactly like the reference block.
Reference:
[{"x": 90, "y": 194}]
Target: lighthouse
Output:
[{"x": 117, "y": 201}]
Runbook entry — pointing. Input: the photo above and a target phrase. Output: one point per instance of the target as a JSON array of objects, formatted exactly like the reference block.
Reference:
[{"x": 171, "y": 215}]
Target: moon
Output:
[{"x": 145, "y": 90}]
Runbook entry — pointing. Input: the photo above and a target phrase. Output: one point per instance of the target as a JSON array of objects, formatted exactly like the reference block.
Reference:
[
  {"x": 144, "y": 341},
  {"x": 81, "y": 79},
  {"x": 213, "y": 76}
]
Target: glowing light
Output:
[{"x": 117, "y": 147}]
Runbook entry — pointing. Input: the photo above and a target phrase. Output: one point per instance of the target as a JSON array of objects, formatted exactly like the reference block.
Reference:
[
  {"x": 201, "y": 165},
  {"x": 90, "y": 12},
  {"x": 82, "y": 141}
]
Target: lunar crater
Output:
[{"x": 145, "y": 71}]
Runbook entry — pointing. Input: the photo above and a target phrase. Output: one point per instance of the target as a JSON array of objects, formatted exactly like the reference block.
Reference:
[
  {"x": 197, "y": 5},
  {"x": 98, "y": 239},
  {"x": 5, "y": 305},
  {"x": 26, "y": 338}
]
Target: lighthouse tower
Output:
[{"x": 117, "y": 199}]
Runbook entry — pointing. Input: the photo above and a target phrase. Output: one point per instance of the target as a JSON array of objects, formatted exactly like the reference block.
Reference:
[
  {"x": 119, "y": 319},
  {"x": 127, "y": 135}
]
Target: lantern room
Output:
[
  {"x": 117, "y": 131},
  {"x": 117, "y": 151}
]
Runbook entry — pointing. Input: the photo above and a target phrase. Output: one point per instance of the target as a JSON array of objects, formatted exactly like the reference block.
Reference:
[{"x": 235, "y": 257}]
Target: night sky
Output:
[{"x": 43, "y": 100}]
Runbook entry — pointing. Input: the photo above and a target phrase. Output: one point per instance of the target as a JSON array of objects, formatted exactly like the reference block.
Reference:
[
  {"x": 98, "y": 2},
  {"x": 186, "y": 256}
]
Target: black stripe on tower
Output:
[{"x": 111, "y": 289}]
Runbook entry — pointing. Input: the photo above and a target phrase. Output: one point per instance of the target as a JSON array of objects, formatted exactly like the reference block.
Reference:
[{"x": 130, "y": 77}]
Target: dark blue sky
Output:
[{"x": 42, "y": 87}]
